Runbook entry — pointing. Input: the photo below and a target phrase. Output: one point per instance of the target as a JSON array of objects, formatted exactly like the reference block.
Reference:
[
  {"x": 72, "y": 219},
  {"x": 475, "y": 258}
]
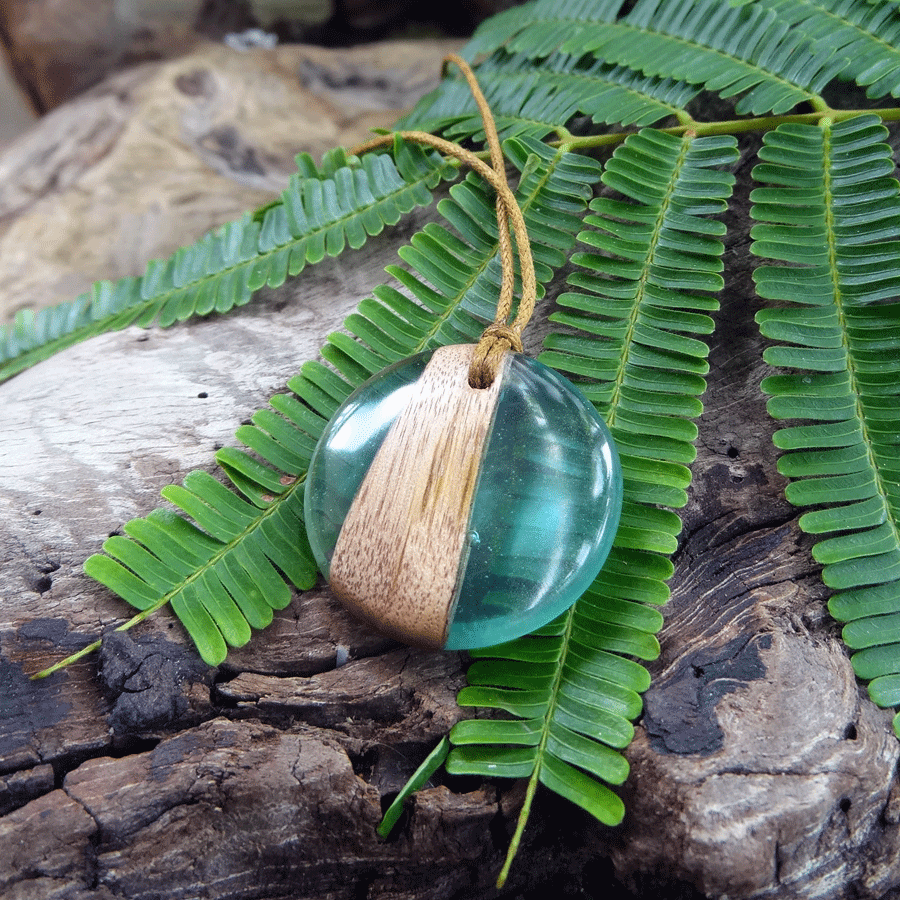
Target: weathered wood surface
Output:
[
  {"x": 760, "y": 769},
  {"x": 156, "y": 156},
  {"x": 58, "y": 48}
]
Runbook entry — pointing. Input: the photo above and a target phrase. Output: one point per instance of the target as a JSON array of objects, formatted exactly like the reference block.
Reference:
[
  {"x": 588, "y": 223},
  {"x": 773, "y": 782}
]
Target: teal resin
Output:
[
  {"x": 346, "y": 450},
  {"x": 546, "y": 506}
]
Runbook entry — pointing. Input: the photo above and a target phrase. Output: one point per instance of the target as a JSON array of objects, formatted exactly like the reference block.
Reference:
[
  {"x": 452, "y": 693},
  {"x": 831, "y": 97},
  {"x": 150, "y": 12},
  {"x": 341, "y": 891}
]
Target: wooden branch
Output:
[{"x": 760, "y": 768}]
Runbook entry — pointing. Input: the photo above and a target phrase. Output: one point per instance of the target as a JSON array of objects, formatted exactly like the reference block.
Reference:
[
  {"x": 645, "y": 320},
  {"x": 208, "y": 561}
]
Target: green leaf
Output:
[
  {"x": 317, "y": 215},
  {"x": 862, "y": 33},
  {"x": 574, "y": 785},
  {"x": 539, "y": 102},
  {"x": 571, "y": 689},
  {"x": 429, "y": 766},
  {"x": 728, "y": 48},
  {"x": 846, "y": 461}
]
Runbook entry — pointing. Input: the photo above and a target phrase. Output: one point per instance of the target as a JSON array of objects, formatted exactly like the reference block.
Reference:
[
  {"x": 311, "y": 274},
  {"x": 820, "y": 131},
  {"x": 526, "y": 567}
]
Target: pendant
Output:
[{"x": 453, "y": 517}]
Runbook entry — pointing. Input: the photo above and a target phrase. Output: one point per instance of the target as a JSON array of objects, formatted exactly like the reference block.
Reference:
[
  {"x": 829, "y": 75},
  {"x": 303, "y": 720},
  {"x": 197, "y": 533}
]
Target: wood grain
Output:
[{"x": 401, "y": 548}]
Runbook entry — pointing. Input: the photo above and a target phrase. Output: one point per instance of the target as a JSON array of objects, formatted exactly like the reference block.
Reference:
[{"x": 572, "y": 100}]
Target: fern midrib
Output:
[
  {"x": 682, "y": 115},
  {"x": 19, "y": 363},
  {"x": 315, "y": 232},
  {"x": 830, "y": 232},
  {"x": 560, "y": 131},
  {"x": 627, "y": 341},
  {"x": 534, "y": 779},
  {"x": 814, "y": 99}
]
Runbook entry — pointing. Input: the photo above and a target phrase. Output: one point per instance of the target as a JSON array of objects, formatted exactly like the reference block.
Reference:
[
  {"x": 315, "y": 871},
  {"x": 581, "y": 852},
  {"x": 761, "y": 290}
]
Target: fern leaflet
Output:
[
  {"x": 541, "y": 27},
  {"x": 570, "y": 688},
  {"x": 320, "y": 212},
  {"x": 864, "y": 34},
  {"x": 829, "y": 217}
]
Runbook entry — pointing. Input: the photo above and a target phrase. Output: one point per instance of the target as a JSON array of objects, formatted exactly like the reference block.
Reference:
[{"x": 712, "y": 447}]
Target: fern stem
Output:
[
  {"x": 525, "y": 811},
  {"x": 95, "y": 645},
  {"x": 524, "y": 814},
  {"x": 85, "y": 651},
  {"x": 729, "y": 126}
]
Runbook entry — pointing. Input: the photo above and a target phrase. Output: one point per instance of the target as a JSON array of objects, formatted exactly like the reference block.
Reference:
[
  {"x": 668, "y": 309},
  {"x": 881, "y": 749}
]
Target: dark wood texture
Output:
[{"x": 759, "y": 769}]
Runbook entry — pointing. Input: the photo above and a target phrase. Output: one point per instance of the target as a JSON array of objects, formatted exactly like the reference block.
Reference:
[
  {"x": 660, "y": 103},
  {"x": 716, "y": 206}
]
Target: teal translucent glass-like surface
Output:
[
  {"x": 546, "y": 506},
  {"x": 346, "y": 450},
  {"x": 545, "y": 513}
]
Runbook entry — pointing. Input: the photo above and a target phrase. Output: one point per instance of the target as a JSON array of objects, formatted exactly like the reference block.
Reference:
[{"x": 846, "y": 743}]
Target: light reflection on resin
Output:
[{"x": 545, "y": 510}]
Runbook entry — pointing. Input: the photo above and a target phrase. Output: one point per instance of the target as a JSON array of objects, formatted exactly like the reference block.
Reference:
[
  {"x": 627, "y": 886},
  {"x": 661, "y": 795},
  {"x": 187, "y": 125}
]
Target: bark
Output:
[{"x": 760, "y": 769}]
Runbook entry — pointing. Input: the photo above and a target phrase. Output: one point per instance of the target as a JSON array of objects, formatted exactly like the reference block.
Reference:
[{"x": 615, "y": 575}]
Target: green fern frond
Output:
[
  {"x": 220, "y": 578},
  {"x": 222, "y": 566},
  {"x": 321, "y": 211},
  {"x": 629, "y": 342},
  {"x": 541, "y": 102},
  {"x": 219, "y": 567},
  {"x": 728, "y": 49},
  {"x": 867, "y": 36},
  {"x": 831, "y": 218},
  {"x": 541, "y": 26}
]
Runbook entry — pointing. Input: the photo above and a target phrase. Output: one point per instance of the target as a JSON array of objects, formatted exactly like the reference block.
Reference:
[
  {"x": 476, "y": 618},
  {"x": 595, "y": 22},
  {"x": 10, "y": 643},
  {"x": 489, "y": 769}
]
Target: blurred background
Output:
[
  {"x": 56, "y": 49},
  {"x": 129, "y": 128}
]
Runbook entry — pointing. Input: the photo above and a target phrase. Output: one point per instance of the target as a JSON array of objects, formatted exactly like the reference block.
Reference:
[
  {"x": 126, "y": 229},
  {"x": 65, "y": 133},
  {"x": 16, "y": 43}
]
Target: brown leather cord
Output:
[{"x": 501, "y": 335}]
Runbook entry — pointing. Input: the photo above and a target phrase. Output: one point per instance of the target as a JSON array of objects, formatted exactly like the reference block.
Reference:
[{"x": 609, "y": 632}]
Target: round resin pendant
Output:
[{"x": 455, "y": 517}]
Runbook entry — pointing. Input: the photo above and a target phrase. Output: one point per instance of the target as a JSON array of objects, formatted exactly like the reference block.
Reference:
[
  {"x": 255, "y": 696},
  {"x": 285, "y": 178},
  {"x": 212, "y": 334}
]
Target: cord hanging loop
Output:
[
  {"x": 501, "y": 335},
  {"x": 496, "y": 339}
]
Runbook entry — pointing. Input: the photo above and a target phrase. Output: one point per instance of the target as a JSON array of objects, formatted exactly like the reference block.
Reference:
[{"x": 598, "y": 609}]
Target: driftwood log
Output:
[{"x": 760, "y": 768}]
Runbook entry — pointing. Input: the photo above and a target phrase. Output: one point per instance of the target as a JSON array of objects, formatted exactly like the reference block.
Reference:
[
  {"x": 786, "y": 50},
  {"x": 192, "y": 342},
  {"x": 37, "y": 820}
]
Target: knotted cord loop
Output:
[
  {"x": 501, "y": 335},
  {"x": 496, "y": 339}
]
